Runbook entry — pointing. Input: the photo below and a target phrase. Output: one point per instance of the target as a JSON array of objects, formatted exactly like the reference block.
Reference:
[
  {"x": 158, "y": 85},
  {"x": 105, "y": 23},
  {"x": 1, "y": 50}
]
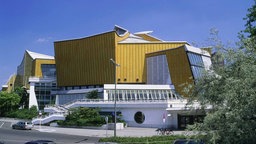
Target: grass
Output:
[{"x": 144, "y": 140}]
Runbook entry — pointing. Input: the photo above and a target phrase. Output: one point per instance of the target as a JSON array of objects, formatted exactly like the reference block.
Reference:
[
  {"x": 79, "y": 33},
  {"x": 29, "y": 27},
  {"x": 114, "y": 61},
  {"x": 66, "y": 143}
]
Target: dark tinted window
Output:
[
  {"x": 139, "y": 117},
  {"x": 48, "y": 70}
]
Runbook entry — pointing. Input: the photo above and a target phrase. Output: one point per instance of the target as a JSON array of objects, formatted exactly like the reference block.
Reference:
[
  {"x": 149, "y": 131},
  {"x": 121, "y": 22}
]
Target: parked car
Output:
[
  {"x": 188, "y": 141},
  {"x": 40, "y": 142},
  {"x": 26, "y": 125}
]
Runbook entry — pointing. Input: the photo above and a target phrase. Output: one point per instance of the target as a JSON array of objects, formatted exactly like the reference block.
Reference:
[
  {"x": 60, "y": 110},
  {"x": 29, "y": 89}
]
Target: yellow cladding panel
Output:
[
  {"x": 85, "y": 61},
  {"x": 131, "y": 57},
  {"x": 26, "y": 66},
  {"x": 179, "y": 68},
  {"x": 11, "y": 84},
  {"x": 36, "y": 69}
]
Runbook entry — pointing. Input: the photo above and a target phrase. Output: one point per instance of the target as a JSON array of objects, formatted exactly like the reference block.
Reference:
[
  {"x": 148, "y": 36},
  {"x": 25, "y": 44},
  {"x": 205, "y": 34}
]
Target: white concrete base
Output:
[{"x": 119, "y": 126}]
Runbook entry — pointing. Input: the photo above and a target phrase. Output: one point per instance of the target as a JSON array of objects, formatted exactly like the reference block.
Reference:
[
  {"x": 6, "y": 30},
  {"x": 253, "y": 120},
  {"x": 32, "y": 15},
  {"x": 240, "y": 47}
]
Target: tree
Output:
[
  {"x": 232, "y": 95},
  {"x": 93, "y": 94},
  {"x": 8, "y": 102},
  {"x": 250, "y": 21},
  {"x": 23, "y": 113},
  {"x": 83, "y": 116},
  {"x": 230, "y": 90},
  {"x": 22, "y": 92}
]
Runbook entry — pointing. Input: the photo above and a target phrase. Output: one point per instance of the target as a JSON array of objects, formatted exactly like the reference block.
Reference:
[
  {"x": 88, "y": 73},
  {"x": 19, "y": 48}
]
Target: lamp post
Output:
[{"x": 116, "y": 65}]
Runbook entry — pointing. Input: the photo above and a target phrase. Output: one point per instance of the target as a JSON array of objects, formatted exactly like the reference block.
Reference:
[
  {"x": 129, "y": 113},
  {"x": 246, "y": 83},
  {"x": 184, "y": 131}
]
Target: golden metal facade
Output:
[
  {"x": 29, "y": 67},
  {"x": 24, "y": 71},
  {"x": 36, "y": 67},
  {"x": 180, "y": 70},
  {"x": 10, "y": 84},
  {"x": 86, "y": 61},
  {"x": 179, "y": 67},
  {"x": 131, "y": 57}
]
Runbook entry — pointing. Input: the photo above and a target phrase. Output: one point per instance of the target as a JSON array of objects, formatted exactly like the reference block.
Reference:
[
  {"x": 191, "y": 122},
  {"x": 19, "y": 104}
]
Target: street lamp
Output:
[{"x": 116, "y": 65}]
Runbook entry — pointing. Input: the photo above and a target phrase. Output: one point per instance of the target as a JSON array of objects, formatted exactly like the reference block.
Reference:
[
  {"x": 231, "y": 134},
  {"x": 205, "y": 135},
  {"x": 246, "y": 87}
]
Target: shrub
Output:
[
  {"x": 23, "y": 113},
  {"x": 144, "y": 140},
  {"x": 83, "y": 117}
]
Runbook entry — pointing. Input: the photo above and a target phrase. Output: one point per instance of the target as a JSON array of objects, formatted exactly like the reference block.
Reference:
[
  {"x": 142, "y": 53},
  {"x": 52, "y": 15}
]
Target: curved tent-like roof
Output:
[{"x": 35, "y": 55}]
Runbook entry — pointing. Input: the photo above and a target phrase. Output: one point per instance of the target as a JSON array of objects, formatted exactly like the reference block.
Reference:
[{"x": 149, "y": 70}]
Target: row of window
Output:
[
  {"x": 43, "y": 94},
  {"x": 80, "y": 87},
  {"x": 197, "y": 64},
  {"x": 126, "y": 95}
]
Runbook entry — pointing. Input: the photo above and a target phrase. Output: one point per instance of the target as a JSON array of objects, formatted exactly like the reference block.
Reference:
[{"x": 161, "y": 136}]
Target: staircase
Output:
[
  {"x": 55, "y": 113},
  {"x": 48, "y": 118}
]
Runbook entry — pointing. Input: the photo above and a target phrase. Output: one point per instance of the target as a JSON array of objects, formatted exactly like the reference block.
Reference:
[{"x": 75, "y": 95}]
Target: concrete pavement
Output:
[
  {"x": 97, "y": 132},
  {"x": 126, "y": 132}
]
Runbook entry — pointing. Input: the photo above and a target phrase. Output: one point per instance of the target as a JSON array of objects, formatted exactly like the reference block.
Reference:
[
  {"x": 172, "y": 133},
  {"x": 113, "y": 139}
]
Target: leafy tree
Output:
[
  {"x": 83, "y": 116},
  {"x": 22, "y": 92},
  {"x": 231, "y": 92},
  {"x": 250, "y": 21},
  {"x": 8, "y": 102},
  {"x": 24, "y": 113},
  {"x": 93, "y": 94}
]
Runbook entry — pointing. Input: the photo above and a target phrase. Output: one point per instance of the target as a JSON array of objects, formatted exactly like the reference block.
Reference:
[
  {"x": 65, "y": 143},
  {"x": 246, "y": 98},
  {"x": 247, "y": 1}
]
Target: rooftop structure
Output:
[
  {"x": 85, "y": 61},
  {"x": 35, "y": 65}
]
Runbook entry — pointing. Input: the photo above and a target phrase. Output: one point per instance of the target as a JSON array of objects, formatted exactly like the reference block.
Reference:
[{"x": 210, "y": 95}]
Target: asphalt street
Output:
[
  {"x": 84, "y": 135},
  {"x": 9, "y": 136}
]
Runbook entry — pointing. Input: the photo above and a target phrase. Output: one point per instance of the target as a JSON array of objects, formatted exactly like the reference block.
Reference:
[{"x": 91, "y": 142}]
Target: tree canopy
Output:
[
  {"x": 250, "y": 21},
  {"x": 24, "y": 96},
  {"x": 230, "y": 90},
  {"x": 8, "y": 102},
  {"x": 83, "y": 116}
]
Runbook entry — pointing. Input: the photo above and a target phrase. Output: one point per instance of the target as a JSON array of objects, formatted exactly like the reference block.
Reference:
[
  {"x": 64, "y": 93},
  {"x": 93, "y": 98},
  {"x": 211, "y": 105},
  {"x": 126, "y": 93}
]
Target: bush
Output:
[
  {"x": 24, "y": 113},
  {"x": 83, "y": 117},
  {"x": 144, "y": 140}
]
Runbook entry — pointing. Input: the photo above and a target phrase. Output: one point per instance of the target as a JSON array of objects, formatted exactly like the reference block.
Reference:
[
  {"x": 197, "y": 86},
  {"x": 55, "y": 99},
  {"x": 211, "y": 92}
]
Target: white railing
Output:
[
  {"x": 102, "y": 101},
  {"x": 48, "y": 118},
  {"x": 55, "y": 108},
  {"x": 61, "y": 111}
]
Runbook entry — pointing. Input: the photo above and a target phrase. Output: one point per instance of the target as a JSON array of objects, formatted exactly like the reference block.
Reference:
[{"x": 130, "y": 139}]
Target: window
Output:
[
  {"x": 197, "y": 71},
  {"x": 48, "y": 70},
  {"x": 196, "y": 64},
  {"x": 195, "y": 59},
  {"x": 139, "y": 117}
]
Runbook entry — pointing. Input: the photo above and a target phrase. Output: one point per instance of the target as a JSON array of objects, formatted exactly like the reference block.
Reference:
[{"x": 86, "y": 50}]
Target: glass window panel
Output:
[
  {"x": 195, "y": 59},
  {"x": 48, "y": 70},
  {"x": 197, "y": 71}
]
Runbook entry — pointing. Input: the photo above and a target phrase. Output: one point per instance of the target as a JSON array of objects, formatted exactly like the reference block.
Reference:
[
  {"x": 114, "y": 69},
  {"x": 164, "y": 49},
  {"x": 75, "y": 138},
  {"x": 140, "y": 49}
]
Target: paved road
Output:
[
  {"x": 129, "y": 131},
  {"x": 85, "y": 135},
  {"x": 10, "y": 136}
]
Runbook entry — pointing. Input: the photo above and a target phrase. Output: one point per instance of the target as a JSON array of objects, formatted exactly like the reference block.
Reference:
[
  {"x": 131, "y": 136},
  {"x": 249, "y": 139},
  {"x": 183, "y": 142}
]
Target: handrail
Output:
[
  {"x": 64, "y": 108},
  {"x": 119, "y": 101}
]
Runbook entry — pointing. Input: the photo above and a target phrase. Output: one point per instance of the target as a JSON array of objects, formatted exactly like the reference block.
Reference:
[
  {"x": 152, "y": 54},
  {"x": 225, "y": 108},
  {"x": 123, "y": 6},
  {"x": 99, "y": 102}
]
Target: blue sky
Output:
[{"x": 35, "y": 24}]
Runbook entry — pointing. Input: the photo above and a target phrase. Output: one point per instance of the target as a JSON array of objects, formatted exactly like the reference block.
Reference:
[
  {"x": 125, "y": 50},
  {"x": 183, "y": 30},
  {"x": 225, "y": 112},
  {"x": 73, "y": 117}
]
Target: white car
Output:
[{"x": 23, "y": 125}]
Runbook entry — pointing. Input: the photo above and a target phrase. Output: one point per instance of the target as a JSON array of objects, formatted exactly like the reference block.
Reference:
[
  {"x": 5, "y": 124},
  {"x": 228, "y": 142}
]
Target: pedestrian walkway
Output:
[{"x": 126, "y": 132}]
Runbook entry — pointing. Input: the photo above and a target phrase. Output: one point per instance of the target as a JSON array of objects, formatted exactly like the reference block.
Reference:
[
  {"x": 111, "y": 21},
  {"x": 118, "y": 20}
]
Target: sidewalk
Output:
[{"x": 126, "y": 132}]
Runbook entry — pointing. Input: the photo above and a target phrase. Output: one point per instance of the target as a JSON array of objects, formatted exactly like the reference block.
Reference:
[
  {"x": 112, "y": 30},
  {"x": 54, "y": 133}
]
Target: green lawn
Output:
[{"x": 144, "y": 140}]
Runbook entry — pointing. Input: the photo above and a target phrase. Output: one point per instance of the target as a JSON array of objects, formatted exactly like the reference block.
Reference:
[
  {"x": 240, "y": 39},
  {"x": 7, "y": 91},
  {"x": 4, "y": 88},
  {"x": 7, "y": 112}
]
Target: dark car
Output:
[
  {"x": 23, "y": 125},
  {"x": 41, "y": 142},
  {"x": 188, "y": 141}
]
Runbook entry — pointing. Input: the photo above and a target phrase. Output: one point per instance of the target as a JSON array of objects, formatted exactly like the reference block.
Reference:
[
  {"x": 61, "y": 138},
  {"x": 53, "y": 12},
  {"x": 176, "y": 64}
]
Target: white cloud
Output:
[{"x": 42, "y": 40}]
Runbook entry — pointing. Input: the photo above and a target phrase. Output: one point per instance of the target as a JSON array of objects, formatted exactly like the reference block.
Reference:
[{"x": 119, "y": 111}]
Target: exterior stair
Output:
[{"x": 49, "y": 118}]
